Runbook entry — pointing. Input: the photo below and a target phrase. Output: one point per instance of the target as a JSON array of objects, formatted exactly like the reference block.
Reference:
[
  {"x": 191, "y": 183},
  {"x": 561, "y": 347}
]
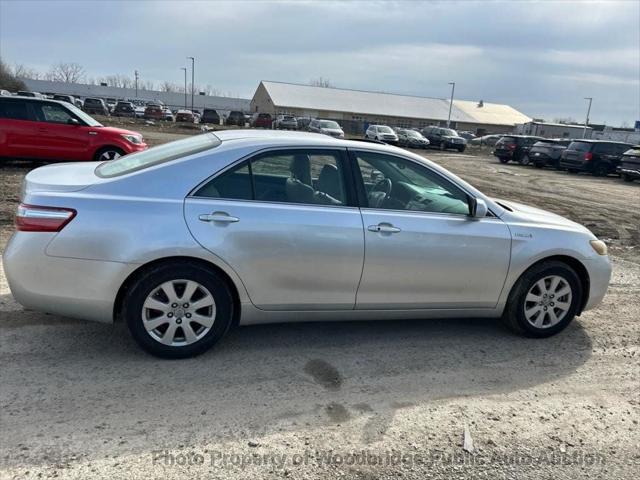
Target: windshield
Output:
[
  {"x": 90, "y": 121},
  {"x": 156, "y": 155},
  {"x": 449, "y": 132},
  {"x": 412, "y": 133},
  {"x": 328, "y": 124},
  {"x": 385, "y": 129}
]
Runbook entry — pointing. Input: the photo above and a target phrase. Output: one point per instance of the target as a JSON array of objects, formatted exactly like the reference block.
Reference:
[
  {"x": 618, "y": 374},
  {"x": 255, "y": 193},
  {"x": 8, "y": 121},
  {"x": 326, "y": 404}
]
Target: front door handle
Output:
[
  {"x": 383, "y": 228},
  {"x": 219, "y": 217}
]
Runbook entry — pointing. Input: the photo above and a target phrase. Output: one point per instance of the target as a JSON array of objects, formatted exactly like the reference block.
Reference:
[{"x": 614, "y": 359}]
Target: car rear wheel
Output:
[
  {"x": 572, "y": 170},
  {"x": 601, "y": 170},
  {"x": 627, "y": 178},
  {"x": 525, "y": 160},
  {"x": 178, "y": 310},
  {"x": 503, "y": 160},
  {"x": 544, "y": 300},
  {"x": 108, "y": 153}
]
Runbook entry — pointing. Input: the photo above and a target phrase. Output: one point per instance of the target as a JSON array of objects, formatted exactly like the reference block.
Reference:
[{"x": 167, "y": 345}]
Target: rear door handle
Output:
[
  {"x": 219, "y": 217},
  {"x": 383, "y": 228}
]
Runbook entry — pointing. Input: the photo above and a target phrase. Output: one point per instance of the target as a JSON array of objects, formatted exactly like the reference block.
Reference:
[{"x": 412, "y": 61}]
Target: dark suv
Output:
[
  {"x": 547, "y": 152},
  {"x": 95, "y": 106},
  {"x": 629, "y": 168},
  {"x": 236, "y": 118},
  {"x": 444, "y": 138},
  {"x": 209, "y": 115},
  {"x": 124, "y": 109},
  {"x": 515, "y": 148},
  {"x": 598, "y": 157}
]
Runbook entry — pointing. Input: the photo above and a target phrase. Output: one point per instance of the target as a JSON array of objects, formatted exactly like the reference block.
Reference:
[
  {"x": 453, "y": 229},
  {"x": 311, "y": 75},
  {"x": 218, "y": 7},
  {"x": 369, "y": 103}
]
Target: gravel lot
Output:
[{"x": 366, "y": 400}]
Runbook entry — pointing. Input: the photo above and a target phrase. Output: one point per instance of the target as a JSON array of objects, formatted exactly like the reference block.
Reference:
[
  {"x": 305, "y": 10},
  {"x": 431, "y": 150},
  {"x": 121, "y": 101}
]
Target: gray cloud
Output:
[{"x": 541, "y": 57}]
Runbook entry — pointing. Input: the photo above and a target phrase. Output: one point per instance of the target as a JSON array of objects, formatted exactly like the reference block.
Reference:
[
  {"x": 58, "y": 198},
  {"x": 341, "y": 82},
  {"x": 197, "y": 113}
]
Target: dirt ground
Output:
[{"x": 365, "y": 400}]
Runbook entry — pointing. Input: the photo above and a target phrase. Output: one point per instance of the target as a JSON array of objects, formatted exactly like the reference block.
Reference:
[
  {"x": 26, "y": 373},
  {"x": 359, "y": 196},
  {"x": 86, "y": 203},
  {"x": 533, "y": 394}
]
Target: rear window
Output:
[
  {"x": 157, "y": 155},
  {"x": 504, "y": 140},
  {"x": 580, "y": 146},
  {"x": 264, "y": 115},
  {"x": 92, "y": 101}
]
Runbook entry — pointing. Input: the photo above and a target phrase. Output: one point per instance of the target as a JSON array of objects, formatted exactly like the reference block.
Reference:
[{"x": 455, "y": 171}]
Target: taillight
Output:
[
  {"x": 588, "y": 156},
  {"x": 512, "y": 146},
  {"x": 32, "y": 218}
]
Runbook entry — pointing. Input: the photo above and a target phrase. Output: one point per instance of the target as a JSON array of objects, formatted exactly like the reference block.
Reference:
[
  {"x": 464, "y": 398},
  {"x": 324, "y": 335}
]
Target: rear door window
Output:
[
  {"x": 580, "y": 146},
  {"x": 14, "y": 109}
]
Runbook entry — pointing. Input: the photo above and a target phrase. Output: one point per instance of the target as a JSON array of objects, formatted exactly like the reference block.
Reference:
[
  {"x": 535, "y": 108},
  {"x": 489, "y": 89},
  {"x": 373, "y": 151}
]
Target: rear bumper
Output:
[
  {"x": 84, "y": 289},
  {"x": 575, "y": 164}
]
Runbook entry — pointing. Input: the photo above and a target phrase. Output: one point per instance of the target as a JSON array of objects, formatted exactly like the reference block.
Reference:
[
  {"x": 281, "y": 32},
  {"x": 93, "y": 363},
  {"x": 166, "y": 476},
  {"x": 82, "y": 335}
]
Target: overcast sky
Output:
[{"x": 540, "y": 57}]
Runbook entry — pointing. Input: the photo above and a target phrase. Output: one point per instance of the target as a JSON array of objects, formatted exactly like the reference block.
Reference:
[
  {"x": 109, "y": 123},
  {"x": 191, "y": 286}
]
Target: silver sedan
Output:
[{"x": 185, "y": 240}]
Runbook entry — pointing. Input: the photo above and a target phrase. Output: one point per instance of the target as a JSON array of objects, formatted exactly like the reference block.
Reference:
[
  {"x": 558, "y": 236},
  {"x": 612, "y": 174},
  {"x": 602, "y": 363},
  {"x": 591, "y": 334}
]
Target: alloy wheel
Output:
[
  {"x": 548, "y": 301},
  {"x": 178, "y": 312},
  {"x": 109, "y": 155}
]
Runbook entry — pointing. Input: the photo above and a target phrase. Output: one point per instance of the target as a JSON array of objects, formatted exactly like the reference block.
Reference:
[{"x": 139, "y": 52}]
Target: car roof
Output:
[
  {"x": 35, "y": 99},
  {"x": 588, "y": 140}
]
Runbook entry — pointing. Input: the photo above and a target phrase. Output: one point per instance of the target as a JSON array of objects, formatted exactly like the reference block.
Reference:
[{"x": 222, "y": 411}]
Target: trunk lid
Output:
[{"x": 61, "y": 177}]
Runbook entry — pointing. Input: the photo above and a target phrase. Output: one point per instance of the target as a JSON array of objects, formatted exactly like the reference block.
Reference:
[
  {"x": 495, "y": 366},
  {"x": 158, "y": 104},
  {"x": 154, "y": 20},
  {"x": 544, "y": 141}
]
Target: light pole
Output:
[
  {"x": 136, "y": 75},
  {"x": 185, "y": 86},
  {"x": 586, "y": 122},
  {"x": 453, "y": 89},
  {"x": 193, "y": 70}
]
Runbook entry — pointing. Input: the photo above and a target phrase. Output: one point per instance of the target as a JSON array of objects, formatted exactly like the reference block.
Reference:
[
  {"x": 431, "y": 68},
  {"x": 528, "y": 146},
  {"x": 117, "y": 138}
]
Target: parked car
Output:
[
  {"x": 434, "y": 244},
  {"x": 629, "y": 168},
  {"x": 467, "y": 135},
  {"x": 111, "y": 103},
  {"x": 489, "y": 140},
  {"x": 33, "y": 128},
  {"x": 411, "y": 138},
  {"x": 25, "y": 93},
  {"x": 444, "y": 138},
  {"x": 286, "y": 122},
  {"x": 326, "y": 127},
  {"x": 185, "y": 116},
  {"x": 598, "y": 157},
  {"x": 209, "y": 115},
  {"x": 235, "y": 118},
  {"x": 95, "y": 106},
  {"x": 154, "y": 111},
  {"x": 381, "y": 133},
  {"x": 303, "y": 122},
  {"x": 515, "y": 148},
  {"x": 65, "y": 98},
  {"x": 168, "y": 115},
  {"x": 124, "y": 109},
  {"x": 547, "y": 152},
  {"x": 261, "y": 120}
]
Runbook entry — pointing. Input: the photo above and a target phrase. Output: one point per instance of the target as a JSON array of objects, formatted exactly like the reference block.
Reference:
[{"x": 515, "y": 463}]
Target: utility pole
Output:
[
  {"x": 586, "y": 122},
  {"x": 193, "y": 69},
  {"x": 136, "y": 75},
  {"x": 453, "y": 89},
  {"x": 185, "y": 86}
]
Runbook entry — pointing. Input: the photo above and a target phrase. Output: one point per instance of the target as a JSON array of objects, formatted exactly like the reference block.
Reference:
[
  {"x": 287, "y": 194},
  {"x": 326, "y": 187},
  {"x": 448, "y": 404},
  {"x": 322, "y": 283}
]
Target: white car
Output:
[{"x": 381, "y": 133}]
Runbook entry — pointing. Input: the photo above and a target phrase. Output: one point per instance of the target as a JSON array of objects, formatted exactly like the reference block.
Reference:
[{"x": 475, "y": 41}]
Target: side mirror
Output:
[
  {"x": 73, "y": 121},
  {"x": 478, "y": 208}
]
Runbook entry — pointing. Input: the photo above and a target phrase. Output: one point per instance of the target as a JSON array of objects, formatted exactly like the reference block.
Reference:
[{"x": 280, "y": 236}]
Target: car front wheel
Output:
[
  {"x": 178, "y": 310},
  {"x": 544, "y": 300},
  {"x": 108, "y": 153}
]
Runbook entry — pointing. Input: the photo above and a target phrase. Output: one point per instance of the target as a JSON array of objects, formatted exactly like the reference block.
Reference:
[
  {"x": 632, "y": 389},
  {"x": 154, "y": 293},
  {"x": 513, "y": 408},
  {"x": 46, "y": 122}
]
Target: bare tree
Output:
[
  {"x": 321, "y": 82},
  {"x": 66, "y": 72},
  {"x": 8, "y": 80},
  {"x": 169, "y": 87},
  {"x": 22, "y": 71},
  {"x": 565, "y": 120}
]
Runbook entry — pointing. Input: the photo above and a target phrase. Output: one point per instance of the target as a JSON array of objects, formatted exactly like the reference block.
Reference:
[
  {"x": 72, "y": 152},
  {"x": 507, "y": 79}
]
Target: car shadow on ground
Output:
[{"x": 258, "y": 379}]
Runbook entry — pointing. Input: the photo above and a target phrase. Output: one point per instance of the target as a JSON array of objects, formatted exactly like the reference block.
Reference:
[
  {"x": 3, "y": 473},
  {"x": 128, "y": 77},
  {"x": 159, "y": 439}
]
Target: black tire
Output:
[
  {"x": 538, "y": 165},
  {"x": 152, "y": 279},
  {"x": 503, "y": 160},
  {"x": 103, "y": 150},
  {"x": 600, "y": 170},
  {"x": 572, "y": 170},
  {"x": 514, "y": 316},
  {"x": 626, "y": 177},
  {"x": 525, "y": 160},
  {"x": 461, "y": 149}
]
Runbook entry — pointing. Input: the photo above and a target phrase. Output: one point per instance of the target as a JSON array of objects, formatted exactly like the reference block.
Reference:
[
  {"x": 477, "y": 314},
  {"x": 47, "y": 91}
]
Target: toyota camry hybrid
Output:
[{"x": 187, "y": 239}]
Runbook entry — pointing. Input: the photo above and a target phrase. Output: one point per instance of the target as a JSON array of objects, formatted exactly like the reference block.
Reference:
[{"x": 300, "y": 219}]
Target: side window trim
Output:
[{"x": 342, "y": 155}]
